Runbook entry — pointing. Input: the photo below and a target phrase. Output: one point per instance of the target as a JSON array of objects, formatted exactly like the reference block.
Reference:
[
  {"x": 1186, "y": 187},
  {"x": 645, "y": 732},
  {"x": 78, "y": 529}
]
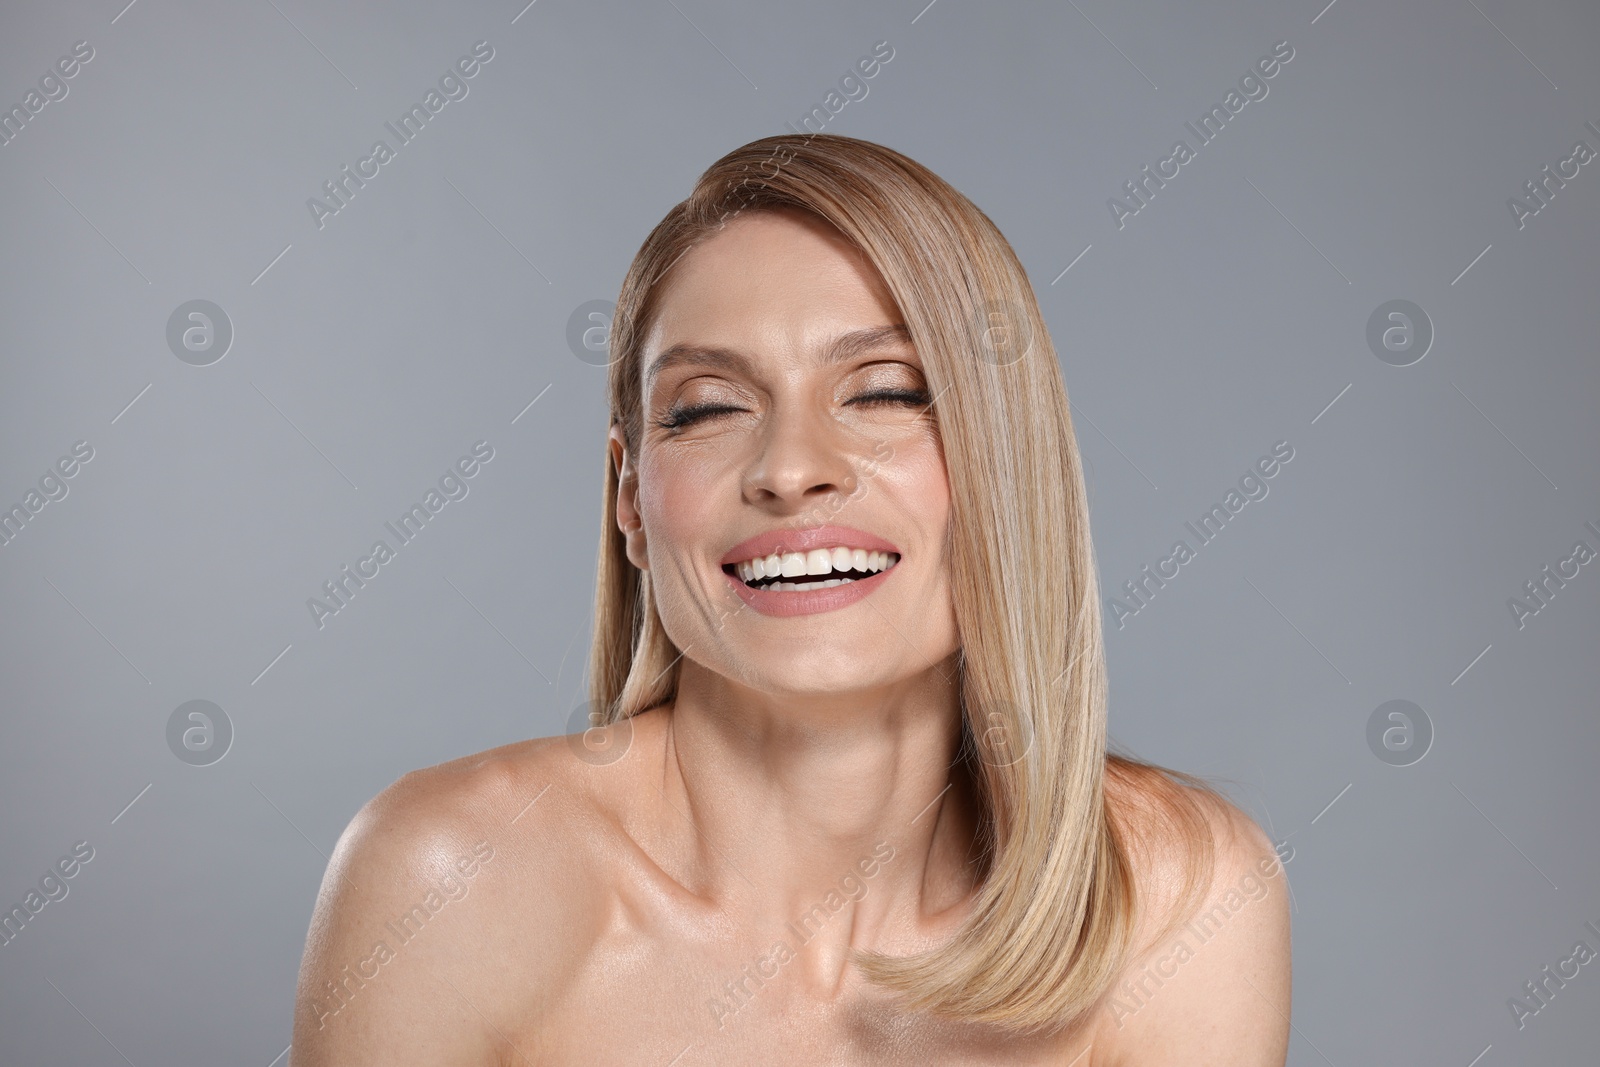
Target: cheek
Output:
[
  {"x": 921, "y": 487},
  {"x": 678, "y": 493}
]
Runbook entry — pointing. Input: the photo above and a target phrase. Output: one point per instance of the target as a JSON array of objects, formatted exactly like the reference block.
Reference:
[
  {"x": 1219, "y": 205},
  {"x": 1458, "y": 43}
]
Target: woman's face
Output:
[{"x": 786, "y": 420}]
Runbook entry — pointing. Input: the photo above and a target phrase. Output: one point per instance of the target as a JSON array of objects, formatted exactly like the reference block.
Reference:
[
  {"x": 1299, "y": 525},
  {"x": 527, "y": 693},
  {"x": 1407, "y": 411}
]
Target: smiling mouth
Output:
[{"x": 820, "y": 568}]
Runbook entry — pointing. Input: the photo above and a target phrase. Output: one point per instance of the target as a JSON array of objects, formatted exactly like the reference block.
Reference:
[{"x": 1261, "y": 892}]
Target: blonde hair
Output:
[{"x": 1052, "y": 917}]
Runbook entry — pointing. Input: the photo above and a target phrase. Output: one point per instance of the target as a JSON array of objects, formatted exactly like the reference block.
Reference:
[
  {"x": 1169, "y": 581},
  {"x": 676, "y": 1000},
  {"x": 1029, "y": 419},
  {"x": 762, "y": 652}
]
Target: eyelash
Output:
[{"x": 678, "y": 418}]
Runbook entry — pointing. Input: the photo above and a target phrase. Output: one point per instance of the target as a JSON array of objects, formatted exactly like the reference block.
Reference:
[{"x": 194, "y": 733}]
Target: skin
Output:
[{"x": 632, "y": 873}]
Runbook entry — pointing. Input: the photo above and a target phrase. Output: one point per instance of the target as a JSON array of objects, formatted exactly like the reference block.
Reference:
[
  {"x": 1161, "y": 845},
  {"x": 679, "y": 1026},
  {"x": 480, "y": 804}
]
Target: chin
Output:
[
  {"x": 826, "y": 668},
  {"x": 773, "y": 665}
]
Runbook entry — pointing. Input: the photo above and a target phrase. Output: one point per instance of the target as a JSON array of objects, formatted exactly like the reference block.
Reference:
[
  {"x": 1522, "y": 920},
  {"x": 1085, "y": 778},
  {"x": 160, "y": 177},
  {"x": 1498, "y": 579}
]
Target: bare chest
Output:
[{"x": 640, "y": 1001}]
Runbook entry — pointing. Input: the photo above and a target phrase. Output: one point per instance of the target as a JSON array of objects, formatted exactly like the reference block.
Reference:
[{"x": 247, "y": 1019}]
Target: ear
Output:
[{"x": 628, "y": 520}]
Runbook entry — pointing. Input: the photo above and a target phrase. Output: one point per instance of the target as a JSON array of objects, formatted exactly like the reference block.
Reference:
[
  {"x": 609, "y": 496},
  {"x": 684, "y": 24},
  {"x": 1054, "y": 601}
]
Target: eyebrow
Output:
[{"x": 840, "y": 350}]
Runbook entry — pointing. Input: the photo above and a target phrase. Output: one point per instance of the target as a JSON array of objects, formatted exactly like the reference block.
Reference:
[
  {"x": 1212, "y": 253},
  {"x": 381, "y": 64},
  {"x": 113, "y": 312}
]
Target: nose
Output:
[{"x": 800, "y": 462}]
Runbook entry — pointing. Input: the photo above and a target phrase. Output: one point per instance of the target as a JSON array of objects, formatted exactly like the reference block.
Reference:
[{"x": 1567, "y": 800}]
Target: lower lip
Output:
[{"x": 806, "y": 602}]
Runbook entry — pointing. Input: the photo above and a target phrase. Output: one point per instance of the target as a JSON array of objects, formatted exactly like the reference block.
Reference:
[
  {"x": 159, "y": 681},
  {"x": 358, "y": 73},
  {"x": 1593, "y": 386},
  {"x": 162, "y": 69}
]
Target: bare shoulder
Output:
[
  {"x": 451, "y": 900},
  {"x": 1208, "y": 979}
]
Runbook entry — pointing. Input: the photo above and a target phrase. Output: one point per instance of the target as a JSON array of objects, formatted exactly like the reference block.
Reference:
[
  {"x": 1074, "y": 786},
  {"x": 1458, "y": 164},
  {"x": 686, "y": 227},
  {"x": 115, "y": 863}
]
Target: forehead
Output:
[{"x": 778, "y": 282}]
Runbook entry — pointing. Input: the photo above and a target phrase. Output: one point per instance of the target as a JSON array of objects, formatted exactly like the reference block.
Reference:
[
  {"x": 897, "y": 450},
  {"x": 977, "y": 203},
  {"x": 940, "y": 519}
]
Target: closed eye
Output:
[
  {"x": 878, "y": 397},
  {"x": 678, "y": 418}
]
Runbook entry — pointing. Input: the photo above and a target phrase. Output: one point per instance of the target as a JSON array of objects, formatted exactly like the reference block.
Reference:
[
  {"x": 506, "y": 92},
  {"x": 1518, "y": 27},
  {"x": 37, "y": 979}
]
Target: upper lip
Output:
[{"x": 804, "y": 540}]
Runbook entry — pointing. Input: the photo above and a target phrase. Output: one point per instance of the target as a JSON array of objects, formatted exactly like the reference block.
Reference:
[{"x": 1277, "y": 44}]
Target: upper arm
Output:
[
  {"x": 1216, "y": 990},
  {"x": 387, "y": 976}
]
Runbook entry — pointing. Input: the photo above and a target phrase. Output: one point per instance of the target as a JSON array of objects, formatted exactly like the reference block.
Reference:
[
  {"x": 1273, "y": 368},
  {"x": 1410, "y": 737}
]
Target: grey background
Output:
[{"x": 368, "y": 355}]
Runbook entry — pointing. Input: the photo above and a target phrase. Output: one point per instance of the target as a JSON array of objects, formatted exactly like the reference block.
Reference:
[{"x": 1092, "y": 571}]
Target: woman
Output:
[{"x": 848, "y": 798}]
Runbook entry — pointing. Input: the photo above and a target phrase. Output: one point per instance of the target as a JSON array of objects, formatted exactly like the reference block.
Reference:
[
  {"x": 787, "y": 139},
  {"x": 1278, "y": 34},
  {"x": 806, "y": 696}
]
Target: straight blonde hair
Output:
[{"x": 1052, "y": 917}]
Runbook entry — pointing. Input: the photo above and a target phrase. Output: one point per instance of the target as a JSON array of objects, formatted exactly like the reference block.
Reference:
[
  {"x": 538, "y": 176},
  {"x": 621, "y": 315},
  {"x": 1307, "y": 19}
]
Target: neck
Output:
[{"x": 793, "y": 799}]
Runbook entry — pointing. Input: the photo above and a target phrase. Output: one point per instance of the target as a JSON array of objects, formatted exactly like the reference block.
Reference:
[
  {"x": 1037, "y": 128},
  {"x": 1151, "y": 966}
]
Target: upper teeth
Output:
[{"x": 817, "y": 561}]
